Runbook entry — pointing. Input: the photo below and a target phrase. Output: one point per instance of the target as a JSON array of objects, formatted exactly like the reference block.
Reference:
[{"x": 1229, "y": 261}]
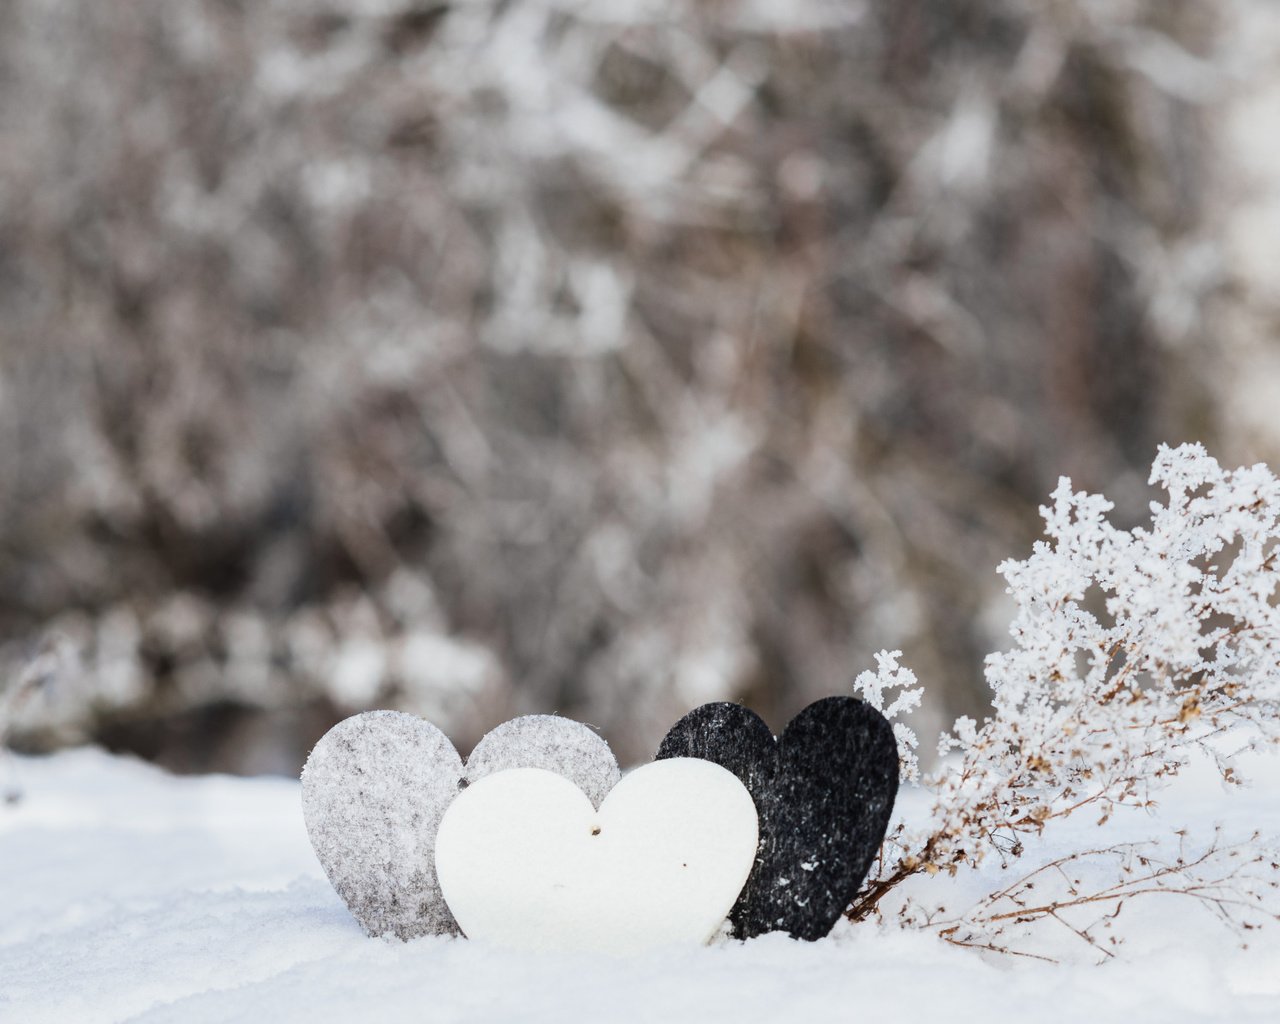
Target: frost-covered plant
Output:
[{"x": 1135, "y": 652}]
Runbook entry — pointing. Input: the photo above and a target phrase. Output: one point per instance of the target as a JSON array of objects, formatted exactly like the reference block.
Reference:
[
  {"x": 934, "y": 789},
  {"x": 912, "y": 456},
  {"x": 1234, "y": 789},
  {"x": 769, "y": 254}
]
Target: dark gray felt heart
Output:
[
  {"x": 824, "y": 791},
  {"x": 377, "y": 784}
]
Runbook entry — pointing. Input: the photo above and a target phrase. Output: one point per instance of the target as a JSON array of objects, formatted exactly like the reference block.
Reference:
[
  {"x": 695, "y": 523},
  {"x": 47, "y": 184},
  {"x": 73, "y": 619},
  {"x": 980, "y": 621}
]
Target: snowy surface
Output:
[{"x": 126, "y": 894}]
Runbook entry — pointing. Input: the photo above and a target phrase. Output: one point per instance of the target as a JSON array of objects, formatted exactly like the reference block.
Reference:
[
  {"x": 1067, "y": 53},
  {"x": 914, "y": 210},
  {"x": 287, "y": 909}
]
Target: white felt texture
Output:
[
  {"x": 373, "y": 792},
  {"x": 559, "y": 745},
  {"x": 377, "y": 784},
  {"x": 525, "y": 860}
]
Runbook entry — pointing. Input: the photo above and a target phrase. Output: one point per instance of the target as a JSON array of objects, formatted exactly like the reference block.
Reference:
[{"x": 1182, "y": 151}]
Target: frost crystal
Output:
[{"x": 871, "y": 687}]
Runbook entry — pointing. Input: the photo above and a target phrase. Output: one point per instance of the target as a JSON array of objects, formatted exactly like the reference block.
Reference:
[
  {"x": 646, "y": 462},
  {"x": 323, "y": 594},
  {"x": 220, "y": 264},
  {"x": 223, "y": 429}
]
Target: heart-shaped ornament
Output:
[
  {"x": 377, "y": 784},
  {"x": 824, "y": 791},
  {"x": 526, "y": 861}
]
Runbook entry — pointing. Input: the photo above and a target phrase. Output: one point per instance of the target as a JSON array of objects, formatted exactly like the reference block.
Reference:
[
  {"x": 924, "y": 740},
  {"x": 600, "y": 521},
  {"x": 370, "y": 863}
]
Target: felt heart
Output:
[
  {"x": 377, "y": 784},
  {"x": 824, "y": 791},
  {"x": 525, "y": 861}
]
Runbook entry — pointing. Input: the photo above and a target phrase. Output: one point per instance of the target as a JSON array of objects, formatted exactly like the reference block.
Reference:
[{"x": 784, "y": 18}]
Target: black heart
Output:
[{"x": 824, "y": 791}]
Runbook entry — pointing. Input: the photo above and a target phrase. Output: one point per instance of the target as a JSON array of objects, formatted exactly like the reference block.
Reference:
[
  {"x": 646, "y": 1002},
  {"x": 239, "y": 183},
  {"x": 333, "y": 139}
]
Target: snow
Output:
[{"x": 128, "y": 894}]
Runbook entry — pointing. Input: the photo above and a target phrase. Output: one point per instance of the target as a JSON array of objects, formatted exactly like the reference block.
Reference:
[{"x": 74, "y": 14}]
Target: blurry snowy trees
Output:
[{"x": 604, "y": 357}]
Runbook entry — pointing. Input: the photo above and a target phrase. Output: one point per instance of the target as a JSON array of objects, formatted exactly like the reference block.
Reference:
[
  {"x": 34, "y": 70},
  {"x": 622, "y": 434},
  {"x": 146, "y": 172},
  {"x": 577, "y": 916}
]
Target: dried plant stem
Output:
[{"x": 1225, "y": 890}]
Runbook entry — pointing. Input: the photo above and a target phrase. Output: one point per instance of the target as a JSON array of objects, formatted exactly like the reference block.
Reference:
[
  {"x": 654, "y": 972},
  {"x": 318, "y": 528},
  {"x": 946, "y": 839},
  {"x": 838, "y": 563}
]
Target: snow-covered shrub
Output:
[{"x": 1135, "y": 653}]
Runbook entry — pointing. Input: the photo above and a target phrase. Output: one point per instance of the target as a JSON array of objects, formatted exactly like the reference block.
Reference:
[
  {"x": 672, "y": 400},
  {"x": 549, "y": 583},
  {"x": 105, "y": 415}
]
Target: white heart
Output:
[
  {"x": 377, "y": 784},
  {"x": 525, "y": 861}
]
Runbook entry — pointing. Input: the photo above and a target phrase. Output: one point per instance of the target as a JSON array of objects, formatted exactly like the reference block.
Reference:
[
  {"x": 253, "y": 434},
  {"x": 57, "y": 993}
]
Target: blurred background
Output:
[{"x": 604, "y": 357}]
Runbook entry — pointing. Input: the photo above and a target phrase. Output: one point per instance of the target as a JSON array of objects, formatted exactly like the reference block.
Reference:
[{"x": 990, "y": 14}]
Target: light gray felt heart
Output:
[{"x": 377, "y": 784}]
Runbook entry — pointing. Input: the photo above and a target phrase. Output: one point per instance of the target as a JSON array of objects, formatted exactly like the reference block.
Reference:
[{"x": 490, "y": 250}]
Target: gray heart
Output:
[{"x": 377, "y": 784}]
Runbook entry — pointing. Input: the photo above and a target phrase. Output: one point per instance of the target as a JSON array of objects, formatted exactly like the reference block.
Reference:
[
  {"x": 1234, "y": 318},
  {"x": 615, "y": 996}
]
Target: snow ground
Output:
[{"x": 128, "y": 894}]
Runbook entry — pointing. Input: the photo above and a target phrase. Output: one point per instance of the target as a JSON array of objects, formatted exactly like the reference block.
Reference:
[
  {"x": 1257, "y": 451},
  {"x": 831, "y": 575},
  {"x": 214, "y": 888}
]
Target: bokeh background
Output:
[{"x": 602, "y": 357}]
